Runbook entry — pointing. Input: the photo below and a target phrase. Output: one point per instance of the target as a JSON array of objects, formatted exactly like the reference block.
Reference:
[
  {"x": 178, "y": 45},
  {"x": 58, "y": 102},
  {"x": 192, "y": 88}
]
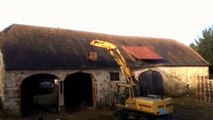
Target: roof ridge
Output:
[{"x": 89, "y": 32}]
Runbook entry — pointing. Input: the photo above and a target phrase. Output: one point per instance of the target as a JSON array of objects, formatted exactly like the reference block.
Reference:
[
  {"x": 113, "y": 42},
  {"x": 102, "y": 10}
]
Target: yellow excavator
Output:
[{"x": 128, "y": 102}]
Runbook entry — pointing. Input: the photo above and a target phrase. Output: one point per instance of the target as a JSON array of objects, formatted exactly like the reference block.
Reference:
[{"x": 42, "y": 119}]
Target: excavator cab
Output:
[{"x": 125, "y": 92}]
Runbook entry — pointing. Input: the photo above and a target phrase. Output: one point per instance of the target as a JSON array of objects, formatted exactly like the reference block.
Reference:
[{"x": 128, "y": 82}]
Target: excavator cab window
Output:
[
  {"x": 122, "y": 94},
  {"x": 136, "y": 91}
]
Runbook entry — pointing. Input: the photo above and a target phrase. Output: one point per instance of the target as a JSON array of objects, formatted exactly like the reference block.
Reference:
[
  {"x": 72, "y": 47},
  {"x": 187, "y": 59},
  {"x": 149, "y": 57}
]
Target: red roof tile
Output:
[{"x": 142, "y": 53}]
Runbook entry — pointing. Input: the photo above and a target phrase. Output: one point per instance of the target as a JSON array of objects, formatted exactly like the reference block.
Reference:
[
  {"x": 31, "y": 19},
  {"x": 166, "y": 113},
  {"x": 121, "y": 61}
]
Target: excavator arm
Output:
[
  {"x": 129, "y": 104},
  {"x": 115, "y": 53}
]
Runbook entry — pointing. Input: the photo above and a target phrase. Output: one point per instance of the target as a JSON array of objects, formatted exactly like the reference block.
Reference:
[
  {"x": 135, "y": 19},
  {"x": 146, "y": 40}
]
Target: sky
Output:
[{"x": 181, "y": 20}]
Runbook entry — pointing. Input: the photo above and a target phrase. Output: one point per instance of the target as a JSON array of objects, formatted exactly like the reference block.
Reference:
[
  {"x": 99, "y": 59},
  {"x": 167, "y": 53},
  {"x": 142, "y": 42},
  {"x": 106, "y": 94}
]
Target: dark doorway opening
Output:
[
  {"x": 151, "y": 82},
  {"x": 78, "y": 92},
  {"x": 39, "y": 93}
]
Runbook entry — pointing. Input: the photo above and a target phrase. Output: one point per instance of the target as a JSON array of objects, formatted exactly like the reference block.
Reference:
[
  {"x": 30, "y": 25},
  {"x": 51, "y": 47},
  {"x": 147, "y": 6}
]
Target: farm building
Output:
[{"x": 48, "y": 68}]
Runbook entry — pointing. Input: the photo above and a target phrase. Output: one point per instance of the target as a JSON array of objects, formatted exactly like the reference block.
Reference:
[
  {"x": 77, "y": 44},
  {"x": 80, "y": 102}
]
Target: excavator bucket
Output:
[{"x": 92, "y": 55}]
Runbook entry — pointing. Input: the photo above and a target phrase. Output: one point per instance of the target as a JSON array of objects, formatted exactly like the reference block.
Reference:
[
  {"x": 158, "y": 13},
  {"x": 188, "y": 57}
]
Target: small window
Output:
[{"x": 114, "y": 76}]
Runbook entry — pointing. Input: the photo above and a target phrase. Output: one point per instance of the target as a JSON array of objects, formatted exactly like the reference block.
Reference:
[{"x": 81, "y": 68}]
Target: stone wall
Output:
[
  {"x": 104, "y": 88},
  {"x": 179, "y": 80}
]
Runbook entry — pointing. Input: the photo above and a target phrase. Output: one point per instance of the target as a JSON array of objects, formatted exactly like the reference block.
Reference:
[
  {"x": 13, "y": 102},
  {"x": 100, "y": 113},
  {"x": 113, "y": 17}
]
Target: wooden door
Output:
[{"x": 151, "y": 82}]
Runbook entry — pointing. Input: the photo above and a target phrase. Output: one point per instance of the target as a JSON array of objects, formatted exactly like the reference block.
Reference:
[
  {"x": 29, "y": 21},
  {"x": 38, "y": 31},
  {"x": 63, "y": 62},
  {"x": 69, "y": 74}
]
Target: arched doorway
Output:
[
  {"x": 78, "y": 91},
  {"x": 39, "y": 93},
  {"x": 151, "y": 82}
]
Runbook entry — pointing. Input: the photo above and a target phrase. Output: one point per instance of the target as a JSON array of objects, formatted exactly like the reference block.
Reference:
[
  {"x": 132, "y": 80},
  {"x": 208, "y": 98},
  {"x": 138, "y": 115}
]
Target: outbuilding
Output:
[{"x": 48, "y": 69}]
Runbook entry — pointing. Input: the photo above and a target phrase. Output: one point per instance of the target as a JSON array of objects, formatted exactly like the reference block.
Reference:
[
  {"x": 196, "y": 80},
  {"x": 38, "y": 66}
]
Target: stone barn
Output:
[{"x": 48, "y": 68}]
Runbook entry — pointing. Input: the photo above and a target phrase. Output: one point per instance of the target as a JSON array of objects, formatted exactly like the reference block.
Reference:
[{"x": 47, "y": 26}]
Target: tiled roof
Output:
[{"x": 32, "y": 47}]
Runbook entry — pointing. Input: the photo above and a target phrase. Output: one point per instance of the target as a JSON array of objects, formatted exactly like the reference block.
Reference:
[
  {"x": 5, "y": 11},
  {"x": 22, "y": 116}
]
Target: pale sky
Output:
[{"x": 182, "y": 20}]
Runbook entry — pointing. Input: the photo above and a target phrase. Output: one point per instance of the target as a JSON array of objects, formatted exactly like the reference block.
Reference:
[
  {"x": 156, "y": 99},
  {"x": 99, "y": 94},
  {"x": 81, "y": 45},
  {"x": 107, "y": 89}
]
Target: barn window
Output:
[{"x": 114, "y": 76}]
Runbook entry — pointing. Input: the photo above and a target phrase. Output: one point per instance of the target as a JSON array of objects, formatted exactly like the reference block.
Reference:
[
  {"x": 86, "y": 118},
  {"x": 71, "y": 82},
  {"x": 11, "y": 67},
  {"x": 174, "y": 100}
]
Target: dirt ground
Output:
[{"x": 185, "y": 109}]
